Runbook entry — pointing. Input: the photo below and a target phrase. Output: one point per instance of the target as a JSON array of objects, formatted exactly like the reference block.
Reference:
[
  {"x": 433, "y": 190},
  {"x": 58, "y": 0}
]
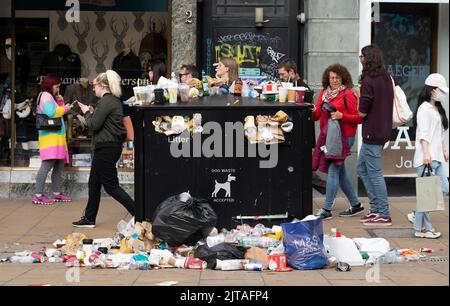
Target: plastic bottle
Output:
[
  {"x": 390, "y": 258},
  {"x": 174, "y": 78},
  {"x": 231, "y": 265},
  {"x": 238, "y": 88},
  {"x": 22, "y": 259},
  {"x": 55, "y": 260},
  {"x": 87, "y": 247},
  {"x": 260, "y": 242},
  {"x": 212, "y": 241},
  {"x": 246, "y": 90},
  {"x": 335, "y": 233},
  {"x": 139, "y": 265},
  {"x": 205, "y": 84}
]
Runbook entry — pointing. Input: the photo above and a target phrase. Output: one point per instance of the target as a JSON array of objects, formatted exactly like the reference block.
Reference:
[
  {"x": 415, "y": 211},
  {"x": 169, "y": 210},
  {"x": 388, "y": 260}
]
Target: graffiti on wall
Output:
[{"x": 251, "y": 50}]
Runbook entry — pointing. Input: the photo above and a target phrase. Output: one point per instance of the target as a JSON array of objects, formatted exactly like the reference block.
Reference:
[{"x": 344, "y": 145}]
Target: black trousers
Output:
[{"x": 104, "y": 173}]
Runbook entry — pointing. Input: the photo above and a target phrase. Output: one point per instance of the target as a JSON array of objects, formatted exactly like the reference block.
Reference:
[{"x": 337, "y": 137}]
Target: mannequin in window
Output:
[
  {"x": 81, "y": 91},
  {"x": 128, "y": 67}
]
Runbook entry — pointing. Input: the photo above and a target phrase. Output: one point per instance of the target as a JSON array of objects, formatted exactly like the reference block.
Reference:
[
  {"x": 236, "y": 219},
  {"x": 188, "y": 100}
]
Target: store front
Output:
[
  {"x": 48, "y": 40},
  {"x": 414, "y": 38},
  {"x": 76, "y": 42},
  {"x": 202, "y": 32}
]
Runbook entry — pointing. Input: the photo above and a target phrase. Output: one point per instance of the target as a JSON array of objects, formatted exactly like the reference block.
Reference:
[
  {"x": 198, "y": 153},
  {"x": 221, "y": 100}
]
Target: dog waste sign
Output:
[{"x": 224, "y": 181}]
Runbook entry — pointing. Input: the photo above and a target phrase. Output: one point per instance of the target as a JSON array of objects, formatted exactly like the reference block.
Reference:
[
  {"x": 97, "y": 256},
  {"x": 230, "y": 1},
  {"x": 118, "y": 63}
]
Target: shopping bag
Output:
[
  {"x": 303, "y": 242},
  {"x": 429, "y": 192}
]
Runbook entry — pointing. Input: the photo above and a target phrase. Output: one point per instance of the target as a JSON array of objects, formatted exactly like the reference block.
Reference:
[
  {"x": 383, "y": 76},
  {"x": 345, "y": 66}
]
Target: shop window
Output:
[
  {"x": 110, "y": 38},
  {"x": 5, "y": 91}
]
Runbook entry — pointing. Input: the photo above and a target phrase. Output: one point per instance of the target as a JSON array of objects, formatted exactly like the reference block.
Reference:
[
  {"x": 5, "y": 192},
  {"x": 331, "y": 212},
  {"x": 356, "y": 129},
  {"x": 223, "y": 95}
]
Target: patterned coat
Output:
[{"x": 53, "y": 144}]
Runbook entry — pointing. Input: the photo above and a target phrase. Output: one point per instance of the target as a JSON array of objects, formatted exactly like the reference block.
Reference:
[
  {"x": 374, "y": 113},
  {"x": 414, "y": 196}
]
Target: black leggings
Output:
[{"x": 104, "y": 173}]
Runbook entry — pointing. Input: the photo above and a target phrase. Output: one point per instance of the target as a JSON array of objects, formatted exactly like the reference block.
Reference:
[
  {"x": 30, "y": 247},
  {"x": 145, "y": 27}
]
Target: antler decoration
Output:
[
  {"x": 100, "y": 59},
  {"x": 139, "y": 23},
  {"x": 62, "y": 22},
  {"x": 119, "y": 35},
  {"x": 81, "y": 45}
]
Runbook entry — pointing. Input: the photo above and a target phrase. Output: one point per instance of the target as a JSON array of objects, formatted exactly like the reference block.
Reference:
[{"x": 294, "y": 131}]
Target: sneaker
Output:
[
  {"x": 42, "y": 200},
  {"x": 84, "y": 223},
  {"x": 412, "y": 217},
  {"x": 368, "y": 217},
  {"x": 428, "y": 235},
  {"x": 62, "y": 198},
  {"x": 324, "y": 215},
  {"x": 379, "y": 221},
  {"x": 352, "y": 211}
]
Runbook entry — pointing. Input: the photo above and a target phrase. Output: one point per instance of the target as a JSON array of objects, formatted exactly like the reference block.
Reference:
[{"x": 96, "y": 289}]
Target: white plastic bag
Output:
[
  {"x": 344, "y": 249},
  {"x": 374, "y": 247}
]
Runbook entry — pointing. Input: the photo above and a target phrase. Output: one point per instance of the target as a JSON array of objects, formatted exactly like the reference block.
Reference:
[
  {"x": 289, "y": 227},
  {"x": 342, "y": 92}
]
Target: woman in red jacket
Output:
[{"x": 342, "y": 105}]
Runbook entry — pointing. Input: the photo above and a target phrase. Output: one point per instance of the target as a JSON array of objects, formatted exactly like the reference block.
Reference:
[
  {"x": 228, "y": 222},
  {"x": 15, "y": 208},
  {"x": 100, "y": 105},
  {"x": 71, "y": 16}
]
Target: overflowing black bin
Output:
[{"x": 236, "y": 187}]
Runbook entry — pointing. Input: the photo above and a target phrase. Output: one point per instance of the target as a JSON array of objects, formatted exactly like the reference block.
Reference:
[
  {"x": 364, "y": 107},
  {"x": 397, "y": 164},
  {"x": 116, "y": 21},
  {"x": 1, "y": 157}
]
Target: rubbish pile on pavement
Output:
[{"x": 183, "y": 235}]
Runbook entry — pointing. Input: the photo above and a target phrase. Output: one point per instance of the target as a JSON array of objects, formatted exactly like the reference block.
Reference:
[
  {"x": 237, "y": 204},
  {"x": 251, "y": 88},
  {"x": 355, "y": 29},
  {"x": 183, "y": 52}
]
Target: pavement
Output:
[{"x": 24, "y": 226}]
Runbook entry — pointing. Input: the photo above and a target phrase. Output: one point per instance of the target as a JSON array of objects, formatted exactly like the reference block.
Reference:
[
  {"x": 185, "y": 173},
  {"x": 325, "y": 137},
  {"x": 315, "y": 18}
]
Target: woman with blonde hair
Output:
[{"x": 109, "y": 134}]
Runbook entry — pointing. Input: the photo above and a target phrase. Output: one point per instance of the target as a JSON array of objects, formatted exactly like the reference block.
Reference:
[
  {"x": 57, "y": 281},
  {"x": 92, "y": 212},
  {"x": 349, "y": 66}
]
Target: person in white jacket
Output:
[{"x": 431, "y": 122}]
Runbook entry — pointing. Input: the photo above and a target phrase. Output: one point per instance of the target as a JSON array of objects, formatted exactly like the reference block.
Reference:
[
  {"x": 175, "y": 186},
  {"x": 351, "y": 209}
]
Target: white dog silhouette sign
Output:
[{"x": 225, "y": 186}]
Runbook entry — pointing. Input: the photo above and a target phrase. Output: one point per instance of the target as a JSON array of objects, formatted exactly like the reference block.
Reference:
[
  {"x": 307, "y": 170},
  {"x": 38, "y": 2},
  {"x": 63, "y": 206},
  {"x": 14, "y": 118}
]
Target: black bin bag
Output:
[{"x": 182, "y": 219}]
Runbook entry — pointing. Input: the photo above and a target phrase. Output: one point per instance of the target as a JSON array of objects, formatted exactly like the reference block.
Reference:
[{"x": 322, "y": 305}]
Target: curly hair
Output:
[{"x": 341, "y": 71}]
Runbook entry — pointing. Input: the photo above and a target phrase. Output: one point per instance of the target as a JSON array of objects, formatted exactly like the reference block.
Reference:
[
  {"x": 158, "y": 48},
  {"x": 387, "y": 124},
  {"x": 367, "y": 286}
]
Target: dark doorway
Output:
[{"x": 230, "y": 30}]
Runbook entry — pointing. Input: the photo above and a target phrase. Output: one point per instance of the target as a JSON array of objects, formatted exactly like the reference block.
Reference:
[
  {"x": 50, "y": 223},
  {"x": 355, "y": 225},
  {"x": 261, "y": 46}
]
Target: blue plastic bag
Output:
[{"x": 303, "y": 243}]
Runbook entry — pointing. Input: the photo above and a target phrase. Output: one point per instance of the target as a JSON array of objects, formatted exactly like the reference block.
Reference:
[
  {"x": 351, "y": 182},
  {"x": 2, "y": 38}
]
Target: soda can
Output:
[
  {"x": 58, "y": 254},
  {"x": 343, "y": 267},
  {"x": 195, "y": 264},
  {"x": 70, "y": 258},
  {"x": 253, "y": 267},
  {"x": 55, "y": 260}
]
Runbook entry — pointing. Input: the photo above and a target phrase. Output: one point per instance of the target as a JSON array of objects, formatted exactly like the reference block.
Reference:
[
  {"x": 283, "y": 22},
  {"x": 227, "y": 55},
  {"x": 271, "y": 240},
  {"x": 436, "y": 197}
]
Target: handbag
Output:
[
  {"x": 402, "y": 112},
  {"x": 129, "y": 127},
  {"x": 44, "y": 123},
  {"x": 429, "y": 192}
]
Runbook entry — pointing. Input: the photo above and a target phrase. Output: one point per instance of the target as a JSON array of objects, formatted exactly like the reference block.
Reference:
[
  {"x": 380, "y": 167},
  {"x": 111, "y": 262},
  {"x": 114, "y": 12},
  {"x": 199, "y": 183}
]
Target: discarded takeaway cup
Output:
[
  {"x": 184, "y": 93},
  {"x": 159, "y": 96}
]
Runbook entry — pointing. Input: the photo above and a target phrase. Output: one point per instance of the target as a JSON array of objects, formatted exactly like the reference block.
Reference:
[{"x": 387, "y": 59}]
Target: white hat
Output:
[{"x": 437, "y": 80}]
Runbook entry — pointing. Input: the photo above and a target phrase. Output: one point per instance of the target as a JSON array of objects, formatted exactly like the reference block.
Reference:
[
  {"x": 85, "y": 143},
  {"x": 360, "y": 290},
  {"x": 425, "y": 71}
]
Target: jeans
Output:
[
  {"x": 58, "y": 168},
  {"x": 423, "y": 220},
  {"x": 337, "y": 176},
  {"x": 371, "y": 174},
  {"x": 104, "y": 173}
]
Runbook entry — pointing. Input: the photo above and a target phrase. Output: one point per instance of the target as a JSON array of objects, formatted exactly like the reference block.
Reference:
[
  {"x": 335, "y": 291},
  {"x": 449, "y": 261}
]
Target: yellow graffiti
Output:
[{"x": 241, "y": 53}]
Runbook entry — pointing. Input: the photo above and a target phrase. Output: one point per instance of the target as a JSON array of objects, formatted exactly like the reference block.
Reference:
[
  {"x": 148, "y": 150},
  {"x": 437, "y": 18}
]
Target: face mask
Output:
[
  {"x": 8, "y": 53},
  {"x": 440, "y": 97}
]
